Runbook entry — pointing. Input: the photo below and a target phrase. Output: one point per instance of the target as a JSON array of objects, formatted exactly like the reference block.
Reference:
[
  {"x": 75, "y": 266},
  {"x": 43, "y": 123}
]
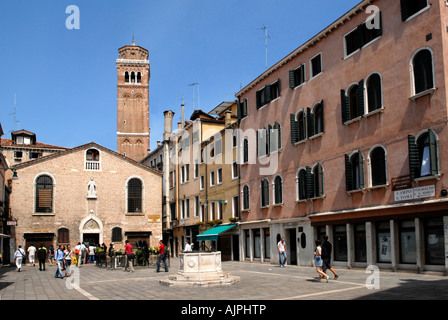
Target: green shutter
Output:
[
  {"x": 294, "y": 129},
  {"x": 361, "y": 170},
  {"x": 310, "y": 122},
  {"x": 309, "y": 183},
  {"x": 413, "y": 158},
  {"x": 344, "y": 107},
  {"x": 360, "y": 93},
  {"x": 348, "y": 174},
  {"x": 433, "y": 147},
  {"x": 292, "y": 82},
  {"x": 323, "y": 118},
  {"x": 268, "y": 93}
]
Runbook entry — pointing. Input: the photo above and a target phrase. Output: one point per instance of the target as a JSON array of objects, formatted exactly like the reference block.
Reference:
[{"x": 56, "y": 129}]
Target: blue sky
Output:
[{"x": 65, "y": 80}]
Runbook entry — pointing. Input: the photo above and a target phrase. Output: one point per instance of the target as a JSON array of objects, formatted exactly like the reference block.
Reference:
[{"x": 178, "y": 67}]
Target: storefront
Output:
[{"x": 393, "y": 238}]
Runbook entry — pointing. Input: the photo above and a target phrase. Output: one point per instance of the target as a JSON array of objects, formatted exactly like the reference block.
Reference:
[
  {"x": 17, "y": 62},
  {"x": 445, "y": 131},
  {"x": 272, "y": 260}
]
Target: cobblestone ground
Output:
[{"x": 257, "y": 282}]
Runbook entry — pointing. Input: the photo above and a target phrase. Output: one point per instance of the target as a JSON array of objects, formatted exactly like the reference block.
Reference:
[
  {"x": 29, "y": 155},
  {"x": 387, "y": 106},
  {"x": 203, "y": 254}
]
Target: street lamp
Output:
[{"x": 14, "y": 172}]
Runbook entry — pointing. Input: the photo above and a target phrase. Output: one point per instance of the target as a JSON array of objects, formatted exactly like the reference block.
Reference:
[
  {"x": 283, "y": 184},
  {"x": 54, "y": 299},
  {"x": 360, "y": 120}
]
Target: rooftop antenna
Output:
[
  {"x": 14, "y": 113},
  {"x": 195, "y": 84},
  {"x": 266, "y": 42}
]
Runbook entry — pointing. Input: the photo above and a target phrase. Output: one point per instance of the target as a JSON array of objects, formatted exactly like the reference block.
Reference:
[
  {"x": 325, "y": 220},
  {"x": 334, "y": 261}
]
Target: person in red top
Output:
[
  {"x": 162, "y": 257},
  {"x": 129, "y": 257}
]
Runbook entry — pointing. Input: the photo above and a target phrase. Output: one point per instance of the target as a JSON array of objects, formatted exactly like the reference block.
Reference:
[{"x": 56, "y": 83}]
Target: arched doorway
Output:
[{"x": 91, "y": 231}]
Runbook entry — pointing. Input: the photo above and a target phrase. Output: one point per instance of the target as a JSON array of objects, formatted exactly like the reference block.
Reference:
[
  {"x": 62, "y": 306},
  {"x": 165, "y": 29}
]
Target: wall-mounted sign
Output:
[
  {"x": 400, "y": 183},
  {"x": 154, "y": 218},
  {"x": 415, "y": 193},
  {"x": 11, "y": 223}
]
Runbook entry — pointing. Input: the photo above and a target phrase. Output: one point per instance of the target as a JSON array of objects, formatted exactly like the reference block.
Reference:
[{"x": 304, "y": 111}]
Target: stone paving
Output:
[{"x": 257, "y": 282}]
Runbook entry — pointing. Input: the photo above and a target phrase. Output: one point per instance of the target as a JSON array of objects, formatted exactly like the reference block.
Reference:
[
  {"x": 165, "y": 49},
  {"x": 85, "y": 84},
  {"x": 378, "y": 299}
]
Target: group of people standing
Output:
[{"x": 322, "y": 257}]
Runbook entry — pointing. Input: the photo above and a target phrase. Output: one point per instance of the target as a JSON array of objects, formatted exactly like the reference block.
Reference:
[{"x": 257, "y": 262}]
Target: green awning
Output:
[{"x": 213, "y": 233}]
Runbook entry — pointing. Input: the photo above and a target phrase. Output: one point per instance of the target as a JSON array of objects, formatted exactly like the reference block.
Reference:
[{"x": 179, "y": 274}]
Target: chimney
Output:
[
  {"x": 179, "y": 126},
  {"x": 228, "y": 118},
  {"x": 169, "y": 115},
  {"x": 158, "y": 143},
  {"x": 183, "y": 115}
]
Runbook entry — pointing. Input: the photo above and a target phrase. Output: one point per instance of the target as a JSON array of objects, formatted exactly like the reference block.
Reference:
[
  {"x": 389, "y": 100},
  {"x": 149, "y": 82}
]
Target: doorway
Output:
[
  {"x": 292, "y": 247},
  {"x": 91, "y": 239}
]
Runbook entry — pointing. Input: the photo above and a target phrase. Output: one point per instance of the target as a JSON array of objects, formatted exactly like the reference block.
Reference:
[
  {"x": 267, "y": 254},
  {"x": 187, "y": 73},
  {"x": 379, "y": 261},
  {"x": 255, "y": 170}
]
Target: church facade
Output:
[{"x": 86, "y": 194}]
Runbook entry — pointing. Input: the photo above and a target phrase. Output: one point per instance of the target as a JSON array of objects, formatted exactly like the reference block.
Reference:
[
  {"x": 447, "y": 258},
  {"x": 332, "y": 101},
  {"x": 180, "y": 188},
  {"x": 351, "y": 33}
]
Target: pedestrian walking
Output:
[
  {"x": 51, "y": 255},
  {"x": 91, "y": 251},
  {"x": 42, "y": 256},
  {"x": 19, "y": 255},
  {"x": 31, "y": 254},
  {"x": 326, "y": 257},
  {"x": 111, "y": 255},
  {"x": 281, "y": 246},
  {"x": 129, "y": 256},
  {"x": 84, "y": 253},
  {"x": 78, "y": 254},
  {"x": 59, "y": 257},
  {"x": 319, "y": 262},
  {"x": 68, "y": 256},
  {"x": 162, "y": 257}
]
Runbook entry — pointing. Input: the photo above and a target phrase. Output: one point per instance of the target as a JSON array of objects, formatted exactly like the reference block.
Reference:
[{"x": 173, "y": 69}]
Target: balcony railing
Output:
[{"x": 93, "y": 166}]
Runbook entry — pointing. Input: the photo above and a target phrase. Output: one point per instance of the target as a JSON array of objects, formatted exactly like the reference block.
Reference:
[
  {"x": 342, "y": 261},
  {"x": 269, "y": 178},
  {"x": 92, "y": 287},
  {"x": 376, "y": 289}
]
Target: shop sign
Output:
[
  {"x": 400, "y": 183},
  {"x": 11, "y": 223},
  {"x": 415, "y": 193},
  {"x": 154, "y": 218}
]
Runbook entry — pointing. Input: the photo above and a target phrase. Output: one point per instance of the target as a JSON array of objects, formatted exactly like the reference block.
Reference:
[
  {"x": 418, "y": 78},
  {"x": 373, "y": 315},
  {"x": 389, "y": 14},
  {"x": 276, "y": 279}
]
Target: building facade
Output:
[
  {"x": 86, "y": 194},
  {"x": 350, "y": 141},
  {"x": 133, "y": 73}
]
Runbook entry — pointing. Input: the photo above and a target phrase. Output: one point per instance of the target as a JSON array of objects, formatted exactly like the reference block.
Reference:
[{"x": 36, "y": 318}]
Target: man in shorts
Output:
[{"x": 326, "y": 257}]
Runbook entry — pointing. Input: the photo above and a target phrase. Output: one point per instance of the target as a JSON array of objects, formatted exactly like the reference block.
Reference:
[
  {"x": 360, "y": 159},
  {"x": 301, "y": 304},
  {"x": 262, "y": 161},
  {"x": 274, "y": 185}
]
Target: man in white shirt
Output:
[
  {"x": 32, "y": 252},
  {"x": 188, "y": 247},
  {"x": 281, "y": 246}
]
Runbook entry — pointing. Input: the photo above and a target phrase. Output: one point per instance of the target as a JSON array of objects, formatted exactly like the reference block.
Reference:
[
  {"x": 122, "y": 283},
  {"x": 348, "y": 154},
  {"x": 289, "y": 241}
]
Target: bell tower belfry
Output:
[{"x": 133, "y": 75}]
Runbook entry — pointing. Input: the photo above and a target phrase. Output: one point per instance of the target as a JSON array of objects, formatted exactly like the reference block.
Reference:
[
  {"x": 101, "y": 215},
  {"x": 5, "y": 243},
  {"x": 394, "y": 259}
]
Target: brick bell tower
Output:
[{"x": 133, "y": 102}]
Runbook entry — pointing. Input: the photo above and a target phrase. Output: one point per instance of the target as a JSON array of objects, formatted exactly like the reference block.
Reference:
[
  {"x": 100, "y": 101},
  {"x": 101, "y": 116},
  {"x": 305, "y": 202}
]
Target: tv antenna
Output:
[
  {"x": 14, "y": 113},
  {"x": 194, "y": 85},
  {"x": 266, "y": 37}
]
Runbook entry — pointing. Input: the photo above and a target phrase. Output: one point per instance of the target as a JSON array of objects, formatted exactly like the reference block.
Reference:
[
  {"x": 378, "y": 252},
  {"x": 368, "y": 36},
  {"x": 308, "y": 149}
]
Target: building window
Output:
[
  {"x": 196, "y": 168},
  {"x": 423, "y": 155},
  {"x": 297, "y": 76},
  {"x": 117, "y": 235},
  {"x": 267, "y": 94},
  {"x": 434, "y": 241},
  {"x": 234, "y": 170},
  {"x": 302, "y": 185},
  {"x": 412, "y": 7},
  {"x": 126, "y": 77},
  {"x": 242, "y": 109},
  {"x": 235, "y": 207},
  {"x": 316, "y": 65},
  {"x": 132, "y": 77},
  {"x": 318, "y": 177},
  {"x": 246, "y": 150},
  {"x": 384, "y": 242},
  {"x": 134, "y": 195},
  {"x": 196, "y": 206},
  {"x": 340, "y": 243},
  {"x": 363, "y": 34},
  {"x": 212, "y": 178},
  {"x": 245, "y": 197},
  {"x": 219, "y": 175},
  {"x": 187, "y": 208},
  {"x": 374, "y": 93},
  {"x": 264, "y": 193},
  {"x": 139, "y": 77},
  {"x": 278, "y": 190},
  {"x": 316, "y": 119},
  {"x": 352, "y": 102},
  {"x": 422, "y": 71},
  {"x": 44, "y": 194},
  {"x": 408, "y": 243},
  {"x": 378, "y": 166},
  {"x": 360, "y": 243},
  {"x": 93, "y": 160},
  {"x": 301, "y": 126},
  {"x": 354, "y": 171},
  {"x": 201, "y": 182},
  {"x": 63, "y": 236},
  {"x": 275, "y": 137}
]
